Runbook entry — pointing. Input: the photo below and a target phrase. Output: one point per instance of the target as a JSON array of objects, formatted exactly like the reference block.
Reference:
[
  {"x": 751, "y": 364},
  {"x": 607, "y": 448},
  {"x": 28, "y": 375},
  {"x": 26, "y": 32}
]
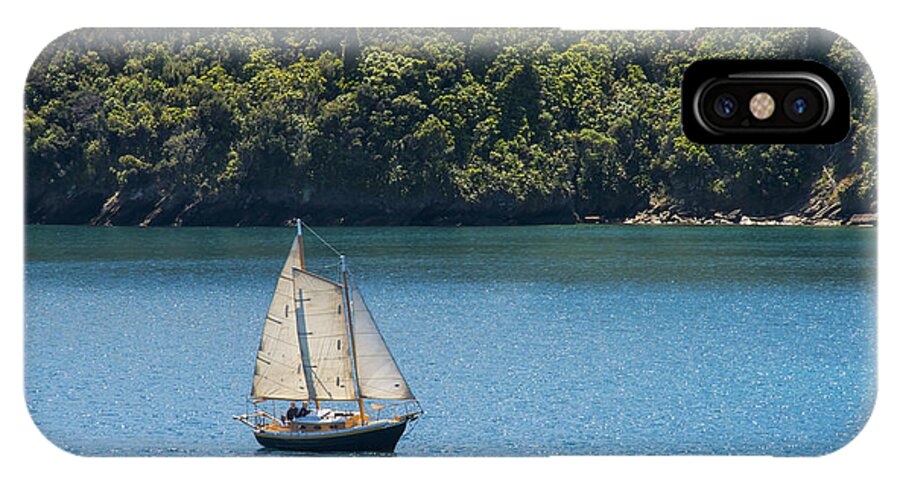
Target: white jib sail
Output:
[
  {"x": 279, "y": 372},
  {"x": 378, "y": 375}
]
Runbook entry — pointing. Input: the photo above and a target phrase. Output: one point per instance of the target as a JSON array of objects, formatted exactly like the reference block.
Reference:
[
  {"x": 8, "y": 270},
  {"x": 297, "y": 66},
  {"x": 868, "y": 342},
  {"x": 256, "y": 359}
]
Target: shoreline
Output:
[
  {"x": 643, "y": 219},
  {"x": 718, "y": 218}
]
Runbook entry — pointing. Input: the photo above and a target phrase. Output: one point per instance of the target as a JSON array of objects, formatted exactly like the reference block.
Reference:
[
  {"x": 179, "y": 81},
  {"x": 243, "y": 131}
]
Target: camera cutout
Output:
[{"x": 763, "y": 101}]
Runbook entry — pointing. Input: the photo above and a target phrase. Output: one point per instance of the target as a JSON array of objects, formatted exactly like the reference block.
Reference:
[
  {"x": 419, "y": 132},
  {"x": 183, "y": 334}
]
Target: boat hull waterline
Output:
[{"x": 377, "y": 437}]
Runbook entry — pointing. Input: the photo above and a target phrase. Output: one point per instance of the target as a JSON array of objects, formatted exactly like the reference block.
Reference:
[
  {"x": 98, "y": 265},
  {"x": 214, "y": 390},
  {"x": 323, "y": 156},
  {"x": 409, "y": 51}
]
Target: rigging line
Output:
[{"x": 307, "y": 227}]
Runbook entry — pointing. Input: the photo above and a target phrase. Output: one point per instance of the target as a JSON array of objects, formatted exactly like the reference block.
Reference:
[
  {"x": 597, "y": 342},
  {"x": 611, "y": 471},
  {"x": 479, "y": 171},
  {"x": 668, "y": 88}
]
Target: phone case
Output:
[{"x": 436, "y": 242}]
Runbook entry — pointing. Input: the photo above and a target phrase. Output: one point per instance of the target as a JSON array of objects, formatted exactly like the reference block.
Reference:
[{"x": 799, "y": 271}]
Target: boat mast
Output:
[
  {"x": 359, "y": 399},
  {"x": 301, "y": 259},
  {"x": 300, "y": 254}
]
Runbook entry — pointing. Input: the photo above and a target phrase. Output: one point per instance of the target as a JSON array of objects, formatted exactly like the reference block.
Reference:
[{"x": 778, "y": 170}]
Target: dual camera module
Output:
[
  {"x": 735, "y": 101},
  {"x": 800, "y": 106},
  {"x": 765, "y": 103}
]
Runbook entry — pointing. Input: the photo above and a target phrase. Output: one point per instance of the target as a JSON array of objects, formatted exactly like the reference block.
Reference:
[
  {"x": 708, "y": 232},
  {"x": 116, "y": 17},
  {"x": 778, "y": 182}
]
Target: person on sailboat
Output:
[
  {"x": 292, "y": 412},
  {"x": 304, "y": 410}
]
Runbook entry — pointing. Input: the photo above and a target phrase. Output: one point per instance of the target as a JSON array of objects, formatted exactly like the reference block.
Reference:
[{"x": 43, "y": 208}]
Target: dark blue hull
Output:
[{"x": 381, "y": 439}]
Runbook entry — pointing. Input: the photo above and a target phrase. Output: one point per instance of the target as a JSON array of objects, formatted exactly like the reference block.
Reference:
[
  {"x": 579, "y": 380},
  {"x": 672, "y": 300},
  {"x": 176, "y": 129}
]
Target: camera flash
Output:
[{"x": 762, "y": 105}]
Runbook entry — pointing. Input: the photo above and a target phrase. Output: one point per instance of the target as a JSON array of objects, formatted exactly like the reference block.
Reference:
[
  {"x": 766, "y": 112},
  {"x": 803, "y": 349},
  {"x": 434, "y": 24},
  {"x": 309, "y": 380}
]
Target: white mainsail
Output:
[
  {"x": 324, "y": 349},
  {"x": 377, "y": 372}
]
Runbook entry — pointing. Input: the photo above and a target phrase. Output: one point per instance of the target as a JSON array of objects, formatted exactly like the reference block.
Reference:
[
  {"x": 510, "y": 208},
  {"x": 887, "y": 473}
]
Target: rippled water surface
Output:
[{"x": 551, "y": 340}]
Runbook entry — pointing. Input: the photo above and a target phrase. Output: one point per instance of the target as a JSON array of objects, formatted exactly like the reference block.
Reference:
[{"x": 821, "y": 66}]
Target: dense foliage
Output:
[{"x": 412, "y": 126}]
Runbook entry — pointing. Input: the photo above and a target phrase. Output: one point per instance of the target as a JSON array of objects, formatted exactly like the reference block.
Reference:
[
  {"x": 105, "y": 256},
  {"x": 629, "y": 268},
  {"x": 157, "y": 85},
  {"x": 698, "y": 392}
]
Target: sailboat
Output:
[{"x": 320, "y": 346}]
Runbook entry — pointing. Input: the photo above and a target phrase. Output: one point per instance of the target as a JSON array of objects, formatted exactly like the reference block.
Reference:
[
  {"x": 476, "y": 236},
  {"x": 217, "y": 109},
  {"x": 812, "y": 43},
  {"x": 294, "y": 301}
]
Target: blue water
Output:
[{"x": 553, "y": 340}]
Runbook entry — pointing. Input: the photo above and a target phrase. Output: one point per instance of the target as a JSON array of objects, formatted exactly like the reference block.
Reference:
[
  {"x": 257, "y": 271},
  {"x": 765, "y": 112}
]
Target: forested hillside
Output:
[{"x": 386, "y": 126}]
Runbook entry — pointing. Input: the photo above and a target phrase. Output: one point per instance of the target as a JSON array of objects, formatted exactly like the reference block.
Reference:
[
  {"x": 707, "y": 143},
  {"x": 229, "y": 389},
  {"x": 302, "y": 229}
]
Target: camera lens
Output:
[
  {"x": 725, "y": 105},
  {"x": 801, "y": 105}
]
